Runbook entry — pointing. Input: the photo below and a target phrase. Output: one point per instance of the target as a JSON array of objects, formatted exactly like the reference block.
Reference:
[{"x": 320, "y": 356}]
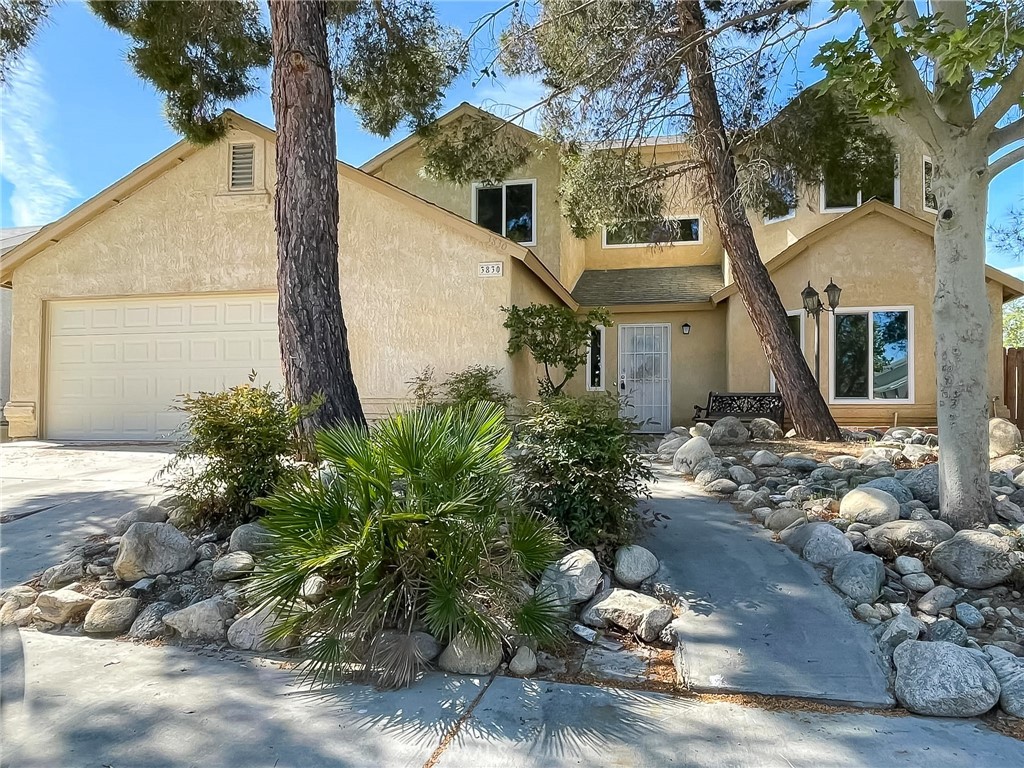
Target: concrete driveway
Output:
[{"x": 53, "y": 496}]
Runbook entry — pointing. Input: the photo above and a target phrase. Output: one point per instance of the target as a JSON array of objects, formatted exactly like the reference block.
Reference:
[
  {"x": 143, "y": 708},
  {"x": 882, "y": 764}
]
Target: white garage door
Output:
[{"x": 116, "y": 366}]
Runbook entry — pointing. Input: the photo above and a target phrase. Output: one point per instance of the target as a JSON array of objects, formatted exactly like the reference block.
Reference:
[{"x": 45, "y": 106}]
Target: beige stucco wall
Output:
[
  {"x": 860, "y": 260},
  {"x": 409, "y": 283}
]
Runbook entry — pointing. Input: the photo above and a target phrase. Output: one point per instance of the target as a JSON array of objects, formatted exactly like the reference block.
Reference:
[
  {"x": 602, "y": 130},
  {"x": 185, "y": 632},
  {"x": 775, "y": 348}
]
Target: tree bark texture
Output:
[
  {"x": 804, "y": 403},
  {"x": 962, "y": 325},
  {"x": 314, "y": 340}
]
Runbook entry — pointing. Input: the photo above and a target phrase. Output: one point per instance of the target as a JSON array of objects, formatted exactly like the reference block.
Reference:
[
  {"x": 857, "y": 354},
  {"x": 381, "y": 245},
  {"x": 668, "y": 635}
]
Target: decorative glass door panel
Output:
[{"x": 644, "y": 375}]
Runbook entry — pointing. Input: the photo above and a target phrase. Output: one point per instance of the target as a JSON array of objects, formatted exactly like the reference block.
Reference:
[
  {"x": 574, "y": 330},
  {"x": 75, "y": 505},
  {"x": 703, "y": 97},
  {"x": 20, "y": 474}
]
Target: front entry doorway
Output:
[{"x": 645, "y": 378}]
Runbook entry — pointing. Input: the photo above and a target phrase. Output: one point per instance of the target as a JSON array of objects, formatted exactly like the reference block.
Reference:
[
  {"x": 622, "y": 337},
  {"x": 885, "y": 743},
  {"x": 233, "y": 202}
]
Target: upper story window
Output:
[
  {"x": 840, "y": 192},
  {"x": 637, "y": 234},
  {"x": 509, "y": 210},
  {"x": 927, "y": 172},
  {"x": 782, "y": 206},
  {"x": 243, "y": 167},
  {"x": 872, "y": 354}
]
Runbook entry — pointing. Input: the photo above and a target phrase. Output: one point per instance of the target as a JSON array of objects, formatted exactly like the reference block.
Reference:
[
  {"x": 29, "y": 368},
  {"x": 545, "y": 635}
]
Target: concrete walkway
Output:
[
  {"x": 760, "y": 619},
  {"x": 104, "y": 703},
  {"x": 53, "y": 496}
]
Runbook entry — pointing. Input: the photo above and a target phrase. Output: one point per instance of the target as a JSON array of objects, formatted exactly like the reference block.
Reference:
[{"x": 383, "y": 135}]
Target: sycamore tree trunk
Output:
[
  {"x": 804, "y": 403},
  {"x": 962, "y": 325},
  {"x": 314, "y": 340}
]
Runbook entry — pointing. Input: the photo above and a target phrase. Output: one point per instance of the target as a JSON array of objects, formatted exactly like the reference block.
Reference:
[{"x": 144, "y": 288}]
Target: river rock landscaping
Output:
[{"x": 945, "y": 605}]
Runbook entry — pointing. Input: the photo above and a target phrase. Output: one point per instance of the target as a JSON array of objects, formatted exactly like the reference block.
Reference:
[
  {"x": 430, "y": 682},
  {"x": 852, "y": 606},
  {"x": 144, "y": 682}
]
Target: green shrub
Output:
[
  {"x": 237, "y": 445},
  {"x": 580, "y": 464},
  {"x": 413, "y": 526},
  {"x": 475, "y": 384}
]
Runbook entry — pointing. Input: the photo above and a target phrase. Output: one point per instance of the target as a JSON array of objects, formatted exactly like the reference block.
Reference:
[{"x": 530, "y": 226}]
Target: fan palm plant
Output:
[{"x": 414, "y": 526}]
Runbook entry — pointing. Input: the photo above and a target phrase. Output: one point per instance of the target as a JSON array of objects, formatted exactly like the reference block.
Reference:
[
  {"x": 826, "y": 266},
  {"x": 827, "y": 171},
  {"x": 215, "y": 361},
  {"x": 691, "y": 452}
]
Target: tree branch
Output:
[
  {"x": 1000, "y": 164},
  {"x": 1007, "y": 96},
  {"x": 1006, "y": 135}
]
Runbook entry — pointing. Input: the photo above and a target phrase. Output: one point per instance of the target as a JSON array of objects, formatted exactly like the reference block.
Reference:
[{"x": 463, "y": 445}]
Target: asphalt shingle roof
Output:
[{"x": 657, "y": 285}]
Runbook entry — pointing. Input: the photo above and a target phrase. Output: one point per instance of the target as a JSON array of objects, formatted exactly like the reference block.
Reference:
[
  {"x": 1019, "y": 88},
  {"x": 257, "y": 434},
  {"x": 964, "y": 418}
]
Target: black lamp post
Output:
[{"x": 813, "y": 306}]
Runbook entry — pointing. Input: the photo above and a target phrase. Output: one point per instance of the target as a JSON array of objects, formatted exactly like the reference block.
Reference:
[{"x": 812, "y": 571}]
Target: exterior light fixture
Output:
[
  {"x": 814, "y": 307},
  {"x": 832, "y": 291},
  {"x": 686, "y": 329},
  {"x": 811, "y": 299}
]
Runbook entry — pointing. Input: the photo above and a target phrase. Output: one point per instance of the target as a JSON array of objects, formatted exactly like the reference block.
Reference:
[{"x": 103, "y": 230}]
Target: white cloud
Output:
[
  {"x": 40, "y": 194},
  {"x": 510, "y": 97}
]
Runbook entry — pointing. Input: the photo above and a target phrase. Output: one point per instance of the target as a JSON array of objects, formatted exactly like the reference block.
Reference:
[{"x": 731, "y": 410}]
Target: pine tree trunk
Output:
[
  {"x": 804, "y": 403},
  {"x": 962, "y": 325},
  {"x": 314, "y": 340}
]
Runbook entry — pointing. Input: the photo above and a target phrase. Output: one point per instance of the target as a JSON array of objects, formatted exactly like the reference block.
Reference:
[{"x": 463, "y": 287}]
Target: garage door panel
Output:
[{"x": 115, "y": 368}]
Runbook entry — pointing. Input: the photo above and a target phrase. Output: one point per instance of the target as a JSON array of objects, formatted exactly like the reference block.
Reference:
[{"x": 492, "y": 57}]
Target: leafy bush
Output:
[
  {"x": 580, "y": 464},
  {"x": 475, "y": 384},
  {"x": 237, "y": 446},
  {"x": 413, "y": 526}
]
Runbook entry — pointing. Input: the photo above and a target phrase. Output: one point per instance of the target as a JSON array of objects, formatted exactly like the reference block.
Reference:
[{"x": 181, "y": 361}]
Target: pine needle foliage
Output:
[{"x": 414, "y": 525}]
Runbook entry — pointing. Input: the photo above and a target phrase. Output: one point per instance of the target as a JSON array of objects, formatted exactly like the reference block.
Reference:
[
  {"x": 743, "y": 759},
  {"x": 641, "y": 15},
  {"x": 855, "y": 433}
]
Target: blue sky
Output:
[{"x": 75, "y": 118}]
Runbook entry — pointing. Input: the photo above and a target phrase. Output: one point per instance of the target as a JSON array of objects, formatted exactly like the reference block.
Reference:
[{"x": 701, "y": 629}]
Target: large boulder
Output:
[
  {"x": 878, "y": 454},
  {"x": 573, "y": 579},
  {"x": 464, "y": 657},
  {"x": 205, "y": 621},
  {"x": 741, "y": 475},
  {"x": 782, "y": 518},
  {"x": 975, "y": 559},
  {"x": 700, "y": 430},
  {"x": 924, "y": 484},
  {"x": 903, "y": 627},
  {"x": 234, "y": 565},
  {"x": 859, "y": 576},
  {"x": 149, "y": 549},
  {"x": 690, "y": 454},
  {"x": 907, "y": 536},
  {"x": 642, "y": 614},
  {"x": 633, "y": 564},
  {"x": 111, "y": 616},
  {"x": 869, "y": 505},
  {"x": 943, "y": 680},
  {"x": 149, "y": 624},
  {"x": 936, "y": 599},
  {"x": 154, "y": 513},
  {"x": 1009, "y": 670},
  {"x": 825, "y": 545},
  {"x": 729, "y": 431},
  {"x": 893, "y": 487},
  {"x": 1003, "y": 437},
  {"x": 668, "y": 446},
  {"x": 59, "y": 606},
  {"x": 62, "y": 574},
  {"x": 249, "y": 632},
  {"x": 765, "y": 429},
  {"x": 765, "y": 459},
  {"x": 252, "y": 538},
  {"x": 917, "y": 453}
]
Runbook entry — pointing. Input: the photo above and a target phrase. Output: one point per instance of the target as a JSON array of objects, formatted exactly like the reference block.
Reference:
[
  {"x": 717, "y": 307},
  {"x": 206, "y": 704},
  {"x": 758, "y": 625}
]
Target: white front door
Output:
[{"x": 645, "y": 378}]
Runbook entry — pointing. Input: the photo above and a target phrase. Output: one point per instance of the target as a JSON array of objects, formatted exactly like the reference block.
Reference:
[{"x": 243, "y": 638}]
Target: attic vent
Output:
[{"x": 243, "y": 166}]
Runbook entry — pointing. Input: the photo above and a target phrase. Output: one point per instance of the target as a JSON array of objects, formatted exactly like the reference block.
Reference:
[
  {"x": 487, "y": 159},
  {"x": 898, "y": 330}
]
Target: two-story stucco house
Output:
[{"x": 165, "y": 283}]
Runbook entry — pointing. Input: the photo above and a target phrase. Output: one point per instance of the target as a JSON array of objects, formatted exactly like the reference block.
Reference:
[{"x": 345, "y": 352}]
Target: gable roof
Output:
[
  {"x": 10, "y": 237},
  {"x": 177, "y": 154},
  {"x": 465, "y": 109},
  {"x": 648, "y": 285},
  {"x": 1012, "y": 287}
]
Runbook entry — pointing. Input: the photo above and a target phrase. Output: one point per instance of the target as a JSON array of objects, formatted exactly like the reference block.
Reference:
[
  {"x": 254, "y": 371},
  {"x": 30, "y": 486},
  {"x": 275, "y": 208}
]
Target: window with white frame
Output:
[
  {"x": 927, "y": 173},
  {"x": 872, "y": 355},
  {"x": 841, "y": 192},
  {"x": 782, "y": 192},
  {"x": 796, "y": 320},
  {"x": 509, "y": 209},
  {"x": 595, "y": 360},
  {"x": 678, "y": 230}
]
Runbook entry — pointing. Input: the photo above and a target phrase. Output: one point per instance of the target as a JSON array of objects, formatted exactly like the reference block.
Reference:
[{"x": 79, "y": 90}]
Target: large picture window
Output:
[
  {"x": 632, "y": 234},
  {"x": 509, "y": 210},
  {"x": 872, "y": 355},
  {"x": 840, "y": 191},
  {"x": 595, "y": 360}
]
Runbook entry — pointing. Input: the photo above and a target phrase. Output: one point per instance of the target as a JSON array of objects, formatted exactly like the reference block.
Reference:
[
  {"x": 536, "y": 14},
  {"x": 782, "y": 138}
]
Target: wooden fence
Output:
[{"x": 1013, "y": 384}]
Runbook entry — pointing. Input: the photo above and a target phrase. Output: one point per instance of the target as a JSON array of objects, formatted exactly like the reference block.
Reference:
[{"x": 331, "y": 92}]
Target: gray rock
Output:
[
  {"x": 741, "y": 475},
  {"x": 59, "y": 606},
  {"x": 917, "y": 453},
  {"x": 634, "y": 564},
  {"x": 207, "y": 551},
  {"x": 154, "y": 513},
  {"x": 111, "y": 616},
  {"x": 869, "y": 505},
  {"x": 691, "y": 454},
  {"x": 924, "y": 484},
  {"x": 761, "y": 513},
  {"x": 250, "y": 631},
  {"x": 670, "y": 445},
  {"x": 1006, "y": 509},
  {"x": 149, "y": 624},
  {"x": 844, "y": 462},
  {"x": 20, "y": 596},
  {"x": 936, "y": 599},
  {"x": 632, "y": 611},
  {"x": 524, "y": 663},
  {"x": 877, "y": 454},
  {"x": 969, "y": 616},
  {"x": 765, "y": 429},
  {"x": 1003, "y": 437},
  {"x": 783, "y": 518},
  {"x": 859, "y": 576},
  {"x": 729, "y": 431},
  {"x": 905, "y": 564},
  {"x": 252, "y": 538},
  {"x": 918, "y": 582},
  {"x": 799, "y": 463},
  {"x": 700, "y": 430},
  {"x": 65, "y": 573},
  {"x": 1009, "y": 670},
  {"x": 975, "y": 559},
  {"x": 892, "y": 486},
  {"x": 946, "y": 631},
  {"x": 944, "y": 680},
  {"x": 464, "y": 657},
  {"x": 913, "y": 536},
  {"x": 826, "y": 545},
  {"x": 903, "y": 627},
  {"x": 205, "y": 621},
  {"x": 314, "y": 589},
  {"x": 724, "y": 486},
  {"x": 234, "y": 565},
  {"x": 148, "y": 549},
  {"x": 573, "y": 579},
  {"x": 765, "y": 459}
]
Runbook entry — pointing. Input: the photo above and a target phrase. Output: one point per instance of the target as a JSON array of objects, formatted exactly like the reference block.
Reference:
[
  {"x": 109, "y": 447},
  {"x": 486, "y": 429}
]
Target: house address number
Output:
[{"x": 491, "y": 269}]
